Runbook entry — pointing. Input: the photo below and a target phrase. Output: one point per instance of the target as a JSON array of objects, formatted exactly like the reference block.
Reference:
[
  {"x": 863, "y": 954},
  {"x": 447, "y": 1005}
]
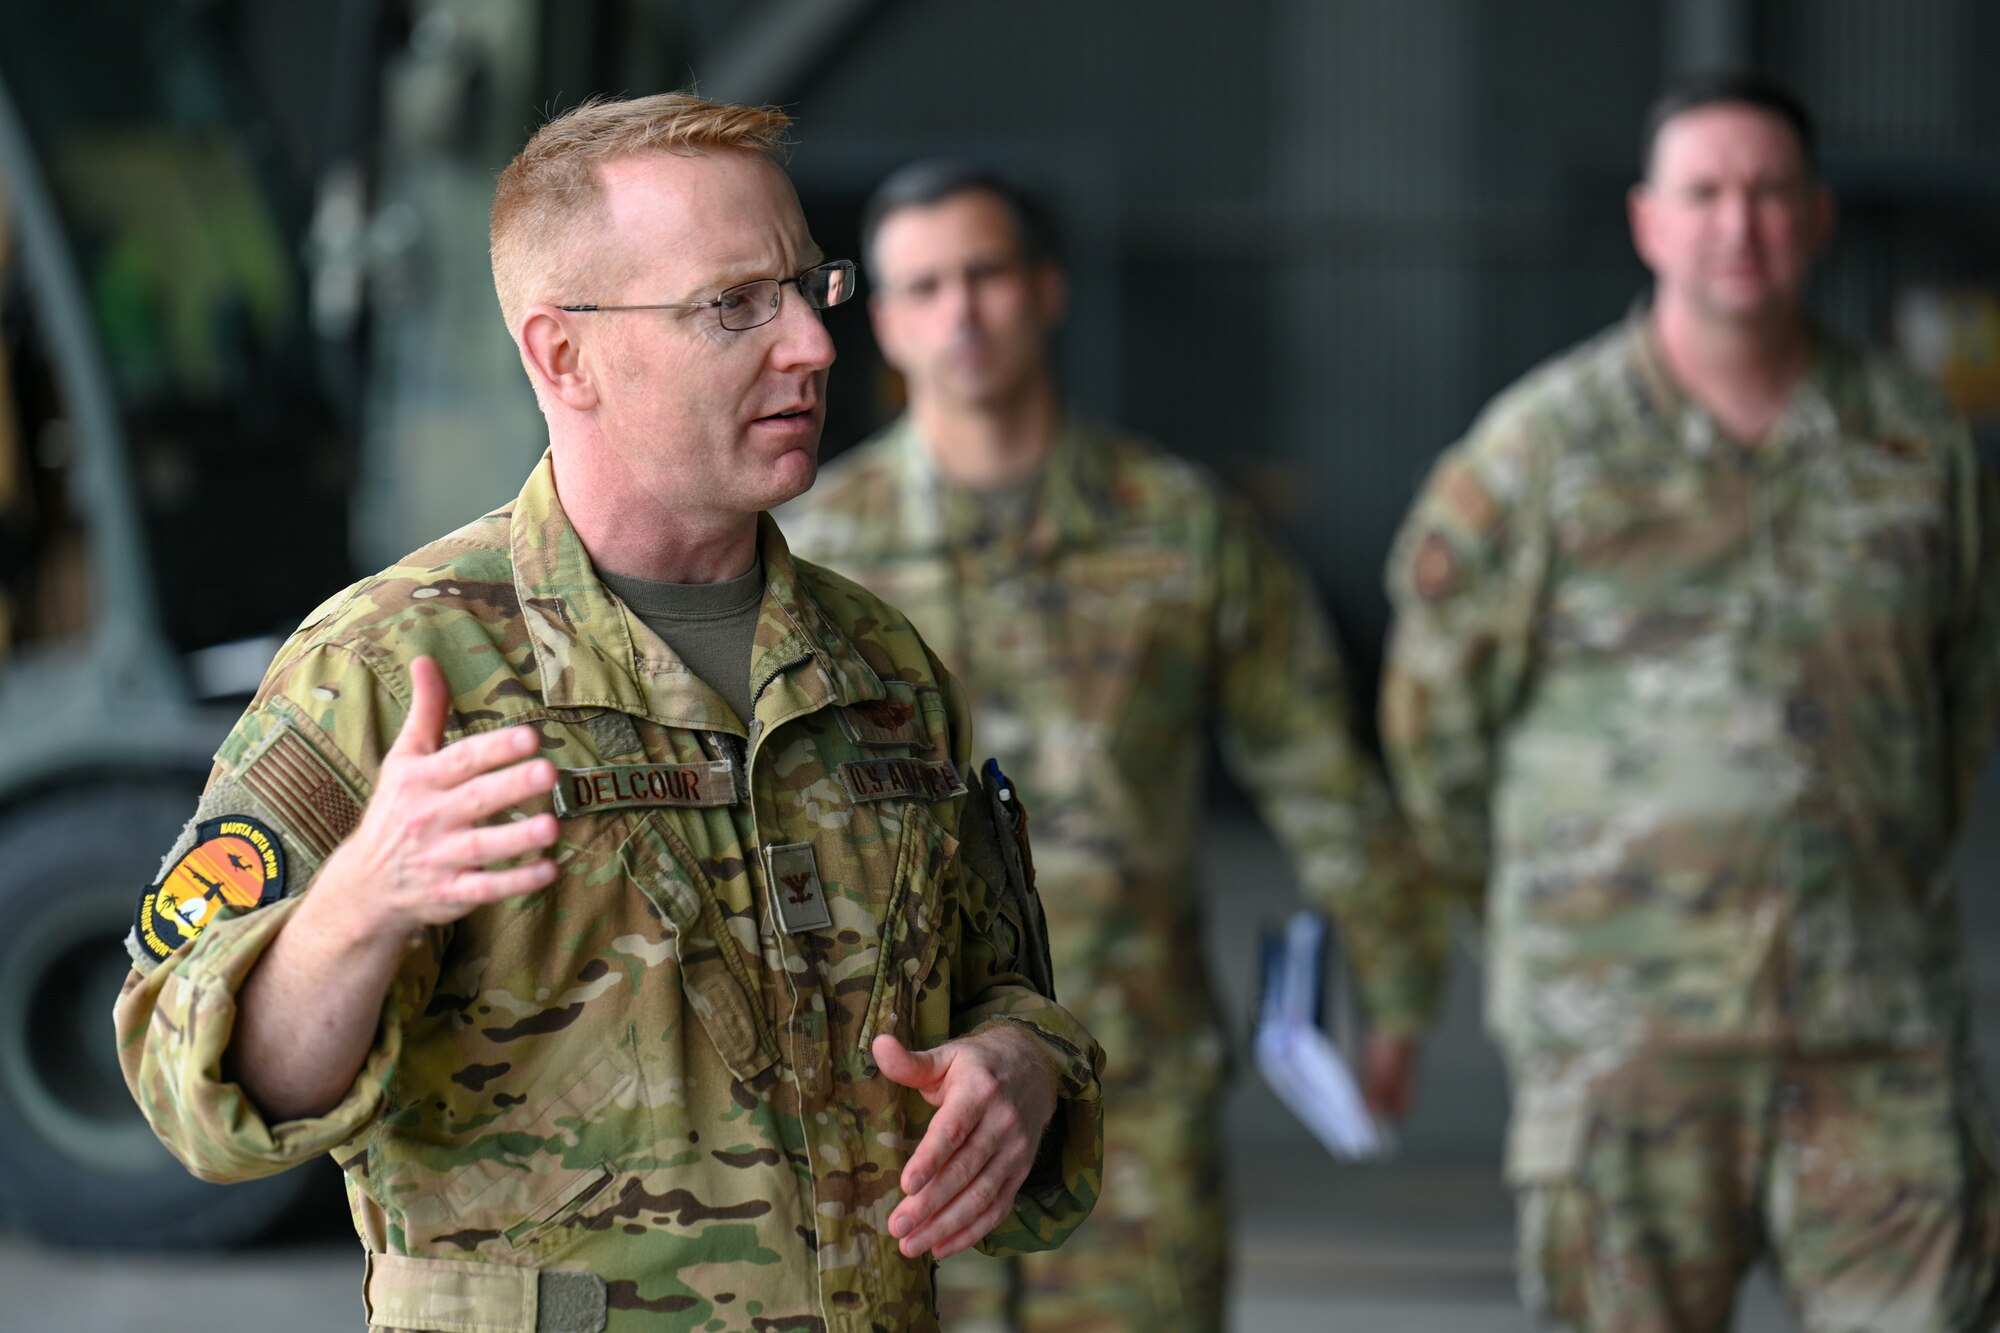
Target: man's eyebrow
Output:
[{"x": 733, "y": 274}]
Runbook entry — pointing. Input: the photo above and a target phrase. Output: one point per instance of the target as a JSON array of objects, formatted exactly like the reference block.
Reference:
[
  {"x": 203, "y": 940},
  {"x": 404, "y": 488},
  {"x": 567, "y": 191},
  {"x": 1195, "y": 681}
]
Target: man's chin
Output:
[
  {"x": 797, "y": 471},
  {"x": 986, "y": 393},
  {"x": 1749, "y": 309}
]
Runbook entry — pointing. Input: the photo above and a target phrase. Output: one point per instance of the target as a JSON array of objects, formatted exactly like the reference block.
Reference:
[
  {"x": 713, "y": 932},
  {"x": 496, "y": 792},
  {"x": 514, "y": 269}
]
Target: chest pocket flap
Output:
[
  {"x": 714, "y": 976},
  {"x": 912, "y": 928}
]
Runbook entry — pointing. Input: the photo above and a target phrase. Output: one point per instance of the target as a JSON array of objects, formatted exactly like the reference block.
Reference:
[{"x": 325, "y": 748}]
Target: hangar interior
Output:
[{"x": 1306, "y": 241}]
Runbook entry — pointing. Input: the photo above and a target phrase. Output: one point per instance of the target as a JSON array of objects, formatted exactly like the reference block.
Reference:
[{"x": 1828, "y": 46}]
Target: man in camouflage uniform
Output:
[
  {"x": 1106, "y": 606},
  {"x": 1694, "y": 662},
  {"x": 618, "y": 1012}
]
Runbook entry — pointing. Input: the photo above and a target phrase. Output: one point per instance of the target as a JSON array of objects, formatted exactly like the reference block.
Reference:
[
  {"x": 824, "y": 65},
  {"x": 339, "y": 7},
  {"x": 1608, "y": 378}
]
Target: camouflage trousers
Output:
[
  {"x": 1648, "y": 1183},
  {"x": 1153, "y": 1254}
]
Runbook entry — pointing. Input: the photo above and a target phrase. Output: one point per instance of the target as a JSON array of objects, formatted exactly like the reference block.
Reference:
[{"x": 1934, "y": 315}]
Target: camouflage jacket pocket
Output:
[
  {"x": 540, "y": 1230},
  {"x": 1118, "y": 621},
  {"x": 516, "y": 1178},
  {"x": 715, "y": 975},
  {"x": 1546, "y": 1135},
  {"x": 912, "y": 927}
]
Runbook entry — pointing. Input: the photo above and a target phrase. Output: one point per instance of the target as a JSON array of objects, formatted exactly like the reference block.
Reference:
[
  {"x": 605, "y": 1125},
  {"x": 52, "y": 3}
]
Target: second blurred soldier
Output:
[
  {"x": 1694, "y": 663},
  {"x": 1105, "y": 605}
]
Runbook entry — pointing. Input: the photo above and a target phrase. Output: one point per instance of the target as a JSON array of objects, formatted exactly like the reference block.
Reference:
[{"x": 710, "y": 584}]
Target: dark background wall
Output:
[
  {"x": 1308, "y": 237},
  {"x": 1314, "y": 237}
]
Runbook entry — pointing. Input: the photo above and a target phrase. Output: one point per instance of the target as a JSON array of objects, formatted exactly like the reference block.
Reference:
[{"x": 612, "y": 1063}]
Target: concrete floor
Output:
[
  {"x": 1400, "y": 1248},
  {"x": 1419, "y": 1244}
]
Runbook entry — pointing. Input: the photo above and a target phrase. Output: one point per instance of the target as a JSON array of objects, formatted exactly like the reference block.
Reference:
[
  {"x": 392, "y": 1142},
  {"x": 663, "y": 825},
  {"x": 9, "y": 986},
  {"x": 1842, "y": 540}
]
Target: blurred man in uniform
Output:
[
  {"x": 582, "y": 868},
  {"x": 1107, "y": 605},
  {"x": 1694, "y": 663}
]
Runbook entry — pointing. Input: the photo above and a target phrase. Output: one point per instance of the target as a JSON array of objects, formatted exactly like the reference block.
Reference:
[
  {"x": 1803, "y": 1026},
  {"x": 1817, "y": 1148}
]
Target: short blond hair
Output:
[{"x": 551, "y": 196}]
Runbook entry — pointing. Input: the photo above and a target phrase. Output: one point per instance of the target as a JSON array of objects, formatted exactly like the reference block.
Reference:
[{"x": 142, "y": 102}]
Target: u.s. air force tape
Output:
[
  {"x": 886, "y": 779},
  {"x": 235, "y": 861},
  {"x": 591, "y": 791}
]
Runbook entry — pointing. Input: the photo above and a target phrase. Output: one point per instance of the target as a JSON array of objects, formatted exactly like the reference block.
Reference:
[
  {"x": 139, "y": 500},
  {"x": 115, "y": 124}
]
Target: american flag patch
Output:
[{"x": 303, "y": 791}]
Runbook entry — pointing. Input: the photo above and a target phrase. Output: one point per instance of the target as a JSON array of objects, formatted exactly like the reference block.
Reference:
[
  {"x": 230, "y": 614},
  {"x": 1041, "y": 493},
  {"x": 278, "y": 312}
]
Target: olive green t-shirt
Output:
[{"x": 710, "y": 626}]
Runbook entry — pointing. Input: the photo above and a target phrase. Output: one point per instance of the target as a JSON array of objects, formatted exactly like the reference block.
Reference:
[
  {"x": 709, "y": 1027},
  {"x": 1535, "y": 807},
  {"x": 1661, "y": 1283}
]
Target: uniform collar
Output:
[
  {"x": 1830, "y": 400},
  {"x": 1070, "y": 502},
  {"x": 590, "y": 652}
]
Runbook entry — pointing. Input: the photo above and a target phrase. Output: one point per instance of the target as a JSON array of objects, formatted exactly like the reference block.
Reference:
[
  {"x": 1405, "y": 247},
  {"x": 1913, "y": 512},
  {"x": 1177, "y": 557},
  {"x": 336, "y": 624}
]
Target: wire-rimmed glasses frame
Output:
[{"x": 750, "y": 305}]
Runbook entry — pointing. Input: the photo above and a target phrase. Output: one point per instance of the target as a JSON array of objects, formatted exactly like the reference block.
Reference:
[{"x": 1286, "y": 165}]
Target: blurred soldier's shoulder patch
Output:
[
  {"x": 1465, "y": 500},
  {"x": 1434, "y": 570},
  {"x": 236, "y": 861},
  {"x": 1459, "y": 516}
]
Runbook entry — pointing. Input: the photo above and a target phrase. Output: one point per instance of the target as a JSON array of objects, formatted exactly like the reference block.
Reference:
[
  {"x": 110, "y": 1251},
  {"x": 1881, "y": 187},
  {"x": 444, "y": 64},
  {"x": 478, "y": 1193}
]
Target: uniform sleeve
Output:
[
  {"x": 1970, "y": 648},
  {"x": 299, "y": 763},
  {"x": 1465, "y": 581},
  {"x": 999, "y": 977},
  {"x": 1287, "y": 734}
]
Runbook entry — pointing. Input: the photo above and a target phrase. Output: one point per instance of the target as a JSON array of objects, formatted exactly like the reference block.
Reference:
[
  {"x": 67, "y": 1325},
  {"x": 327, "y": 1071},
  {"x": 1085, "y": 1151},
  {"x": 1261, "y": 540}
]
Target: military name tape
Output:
[{"x": 590, "y": 791}]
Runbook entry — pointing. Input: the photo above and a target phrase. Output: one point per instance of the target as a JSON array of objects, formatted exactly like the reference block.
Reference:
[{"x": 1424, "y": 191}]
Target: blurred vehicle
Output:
[{"x": 174, "y": 480}]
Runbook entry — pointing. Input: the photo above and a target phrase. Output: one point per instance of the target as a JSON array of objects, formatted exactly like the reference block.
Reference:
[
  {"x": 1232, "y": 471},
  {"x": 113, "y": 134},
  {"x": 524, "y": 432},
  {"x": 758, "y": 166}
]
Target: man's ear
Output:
[
  {"x": 1825, "y": 218},
  {"x": 553, "y": 354},
  {"x": 1051, "y": 293},
  {"x": 1638, "y": 212}
]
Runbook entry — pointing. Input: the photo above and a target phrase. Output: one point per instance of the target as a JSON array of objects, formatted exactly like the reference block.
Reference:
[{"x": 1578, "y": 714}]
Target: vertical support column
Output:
[
  {"x": 1372, "y": 278},
  {"x": 1699, "y": 35}
]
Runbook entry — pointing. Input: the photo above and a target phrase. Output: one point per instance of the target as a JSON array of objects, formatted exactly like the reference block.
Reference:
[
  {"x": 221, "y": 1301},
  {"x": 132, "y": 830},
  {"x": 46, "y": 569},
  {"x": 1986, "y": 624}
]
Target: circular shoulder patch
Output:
[
  {"x": 1434, "y": 572},
  {"x": 235, "y": 861}
]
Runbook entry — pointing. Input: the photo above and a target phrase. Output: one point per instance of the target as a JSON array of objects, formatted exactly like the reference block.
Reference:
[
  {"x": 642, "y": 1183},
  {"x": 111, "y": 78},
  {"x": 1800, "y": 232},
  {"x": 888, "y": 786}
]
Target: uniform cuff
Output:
[
  {"x": 176, "y": 1024},
  {"x": 1063, "y": 1184}
]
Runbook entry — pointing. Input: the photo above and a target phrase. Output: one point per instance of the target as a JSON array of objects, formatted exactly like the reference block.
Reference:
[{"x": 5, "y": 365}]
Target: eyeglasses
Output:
[{"x": 750, "y": 304}]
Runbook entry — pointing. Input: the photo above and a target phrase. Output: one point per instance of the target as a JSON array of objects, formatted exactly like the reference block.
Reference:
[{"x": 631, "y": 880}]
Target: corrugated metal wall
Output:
[
  {"x": 1308, "y": 238},
  {"x": 1910, "y": 125},
  {"x": 1313, "y": 236}
]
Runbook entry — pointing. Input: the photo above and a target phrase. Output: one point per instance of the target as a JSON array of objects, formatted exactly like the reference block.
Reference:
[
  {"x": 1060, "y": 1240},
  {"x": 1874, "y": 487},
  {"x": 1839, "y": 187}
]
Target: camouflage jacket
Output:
[
  {"x": 1103, "y": 625},
  {"x": 1706, "y": 716},
  {"x": 636, "y": 1073}
]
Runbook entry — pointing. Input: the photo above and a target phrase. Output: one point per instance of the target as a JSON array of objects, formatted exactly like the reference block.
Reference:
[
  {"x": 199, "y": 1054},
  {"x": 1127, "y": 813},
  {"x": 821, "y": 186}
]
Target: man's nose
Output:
[
  {"x": 961, "y": 301},
  {"x": 803, "y": 342},
  {"x": 1734, "y": 212}
]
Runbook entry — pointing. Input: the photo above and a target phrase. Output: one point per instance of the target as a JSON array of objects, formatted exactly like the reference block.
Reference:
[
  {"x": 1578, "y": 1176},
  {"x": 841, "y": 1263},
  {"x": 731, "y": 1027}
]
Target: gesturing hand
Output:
[
  {"x": 310, "y": 1007},
  {"x": 420, "y": 854},
  {"x": 995, "y": 1092}
]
